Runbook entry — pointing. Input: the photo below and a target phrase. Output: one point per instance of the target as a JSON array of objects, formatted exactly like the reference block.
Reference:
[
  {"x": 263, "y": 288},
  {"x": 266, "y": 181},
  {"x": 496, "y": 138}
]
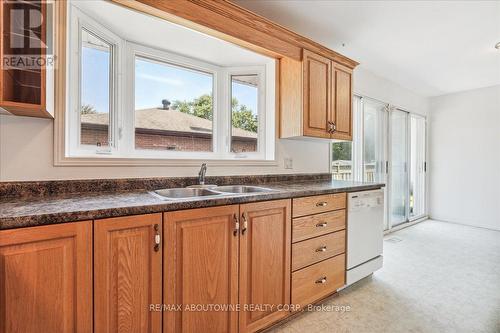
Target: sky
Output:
[{"x": 154, "y": 82}]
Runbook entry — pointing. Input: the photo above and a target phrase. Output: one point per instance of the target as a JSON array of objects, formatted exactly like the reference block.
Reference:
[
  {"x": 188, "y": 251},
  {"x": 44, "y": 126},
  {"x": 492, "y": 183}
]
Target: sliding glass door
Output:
[
  {"x": 407, "y": 167},
  {"x": 398, "y": 198},
  {"x": 387, "y": 147},
  {"x": 374, "y": 140},
  {"x": 417, "y": 167}
]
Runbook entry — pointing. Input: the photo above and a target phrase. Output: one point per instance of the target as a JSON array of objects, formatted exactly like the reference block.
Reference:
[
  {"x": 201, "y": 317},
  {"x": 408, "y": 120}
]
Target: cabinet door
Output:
[
  {"x": 24, "y": 89},
  {"x": 201, "y": 270},
  {"x": 46, "y": 279},
  {"x": 127, "y": 274},
  {"x": 342, "y": 102},
  {"x": 264, "y": 263},
  {"x": 317, "y": 95}
]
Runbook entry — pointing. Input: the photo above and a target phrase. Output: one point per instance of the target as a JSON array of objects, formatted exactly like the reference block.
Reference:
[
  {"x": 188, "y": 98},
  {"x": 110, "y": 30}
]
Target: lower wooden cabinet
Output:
[
  {"x": 127, "y": 274},
  {"x": 219, "y": 269},
  {"x": 201, "y": 270},
  {"x": 264, "y": 263},
  {"x": 317, "y": 281},
  {"x": 319, "y": 245},
  {"x": 236, "y": 257},
  {"x": 46, "y": 279}
]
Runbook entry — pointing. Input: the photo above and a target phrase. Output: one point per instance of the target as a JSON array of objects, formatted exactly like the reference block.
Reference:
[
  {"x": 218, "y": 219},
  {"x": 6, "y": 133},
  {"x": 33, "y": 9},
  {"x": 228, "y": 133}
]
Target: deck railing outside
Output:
[{"x": 342, "y": 170}]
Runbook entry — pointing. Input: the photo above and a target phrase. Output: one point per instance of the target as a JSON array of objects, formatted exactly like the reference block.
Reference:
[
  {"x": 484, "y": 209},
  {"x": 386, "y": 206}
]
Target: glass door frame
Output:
[
  {"x": 424, "y": 173},
  {"x": 389, "y": 164},
  {"x": 408, "y": 218},
  {"x": 358, "y": 155}
]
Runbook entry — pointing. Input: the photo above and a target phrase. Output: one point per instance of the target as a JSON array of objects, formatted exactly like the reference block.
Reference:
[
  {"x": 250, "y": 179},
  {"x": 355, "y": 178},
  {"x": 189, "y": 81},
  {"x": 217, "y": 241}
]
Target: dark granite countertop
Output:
[{"x": 43, "y": 210}]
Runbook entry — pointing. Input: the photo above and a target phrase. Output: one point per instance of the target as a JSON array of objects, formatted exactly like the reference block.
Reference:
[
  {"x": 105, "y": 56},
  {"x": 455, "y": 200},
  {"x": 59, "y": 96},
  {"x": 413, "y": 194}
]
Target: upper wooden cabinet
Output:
[
  {"x": 342, "y": 102},
  {"x": 46, "y": 279},
  {"x": 315, "y": 98},
  {"x": 26, "y": 84},
  {"x": 127, "y": 274},
  {"x": 317, "y": 71}
]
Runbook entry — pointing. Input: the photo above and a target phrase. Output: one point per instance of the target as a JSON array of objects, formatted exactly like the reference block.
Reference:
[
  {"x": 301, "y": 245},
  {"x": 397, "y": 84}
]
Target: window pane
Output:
[
  {"x": 342, "y": 161},
  {"x": 417, "y": 171},
  {"x": 374, "y": 148},
  {"x": 244, "y": 113},
  {"x": 173, "y": 107},
  {"x": 399, "y": 175},
  {"x": 95, "y": 90}
]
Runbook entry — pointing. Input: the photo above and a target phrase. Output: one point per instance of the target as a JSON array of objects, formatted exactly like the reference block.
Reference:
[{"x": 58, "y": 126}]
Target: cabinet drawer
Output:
[
  {"x": 317, "y": 225},
  {"x": 317, "y": 281},
  {"x": 318, "y": 204},
  {"x": 316, "y": 249}
]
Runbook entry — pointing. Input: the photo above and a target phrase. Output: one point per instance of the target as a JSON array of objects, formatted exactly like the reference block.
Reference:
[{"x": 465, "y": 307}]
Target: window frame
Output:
[
  {"x": 122, "y": 149},
  {"x": 80, "y": 21},
  {"x": 260, "y": 72},
  {"x": 170, "y": 59}
]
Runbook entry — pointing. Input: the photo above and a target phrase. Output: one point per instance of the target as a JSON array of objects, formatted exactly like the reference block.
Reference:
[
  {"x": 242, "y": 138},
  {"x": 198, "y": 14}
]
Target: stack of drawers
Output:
[{"x": 318, "y": 246}]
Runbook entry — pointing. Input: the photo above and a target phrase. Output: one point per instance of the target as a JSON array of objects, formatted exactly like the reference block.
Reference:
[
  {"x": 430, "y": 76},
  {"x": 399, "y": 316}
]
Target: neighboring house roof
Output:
[{"x": 160, "y": 120}]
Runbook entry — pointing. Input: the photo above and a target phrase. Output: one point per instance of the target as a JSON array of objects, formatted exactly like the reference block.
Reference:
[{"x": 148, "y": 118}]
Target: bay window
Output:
[{"x": 132, "y": 100}]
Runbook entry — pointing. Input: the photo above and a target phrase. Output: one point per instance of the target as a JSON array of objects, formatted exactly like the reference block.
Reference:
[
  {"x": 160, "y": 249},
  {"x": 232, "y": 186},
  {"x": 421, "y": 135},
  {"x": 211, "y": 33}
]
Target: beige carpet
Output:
[{"x": 440, "y": 277}]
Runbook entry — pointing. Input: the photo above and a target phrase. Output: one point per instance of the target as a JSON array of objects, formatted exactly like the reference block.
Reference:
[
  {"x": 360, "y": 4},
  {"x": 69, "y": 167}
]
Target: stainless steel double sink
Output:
[{"x": 196, "y": 193}]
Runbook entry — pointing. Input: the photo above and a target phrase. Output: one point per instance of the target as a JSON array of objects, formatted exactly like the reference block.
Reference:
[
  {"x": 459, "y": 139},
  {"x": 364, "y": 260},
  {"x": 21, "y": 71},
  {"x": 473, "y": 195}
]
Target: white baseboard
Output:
[{"x": 464, "y": 224}]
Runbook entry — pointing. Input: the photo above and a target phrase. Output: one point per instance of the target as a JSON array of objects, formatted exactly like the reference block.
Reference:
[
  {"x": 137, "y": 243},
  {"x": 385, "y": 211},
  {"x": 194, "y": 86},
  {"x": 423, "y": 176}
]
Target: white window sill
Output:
[{"x": 109, "y": 160}]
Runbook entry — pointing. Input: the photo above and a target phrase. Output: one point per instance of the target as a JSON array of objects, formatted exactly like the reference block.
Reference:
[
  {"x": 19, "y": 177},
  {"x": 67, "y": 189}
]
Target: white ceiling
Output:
[{"x": 430, "y": 47}]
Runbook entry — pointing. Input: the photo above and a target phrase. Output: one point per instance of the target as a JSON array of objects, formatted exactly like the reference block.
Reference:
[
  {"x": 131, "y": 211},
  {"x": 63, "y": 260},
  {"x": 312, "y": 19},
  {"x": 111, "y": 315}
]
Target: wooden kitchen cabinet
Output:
[
  {"x": 227, "y": 256},
  {"x": 26, "y": 79},
  {"x": 264, "y": 262},
  {"x": 201, "y": 269},
  {"x": 127, "y": 274},
  {"x": 317, "y": 281},
  {"x": 317, "y": 95},
  {"x": 315, "y": 98},
  {"x": 342, "y": 102},
  {"x": 319, "y": 247},
  {"x": 46, "y": 279}
]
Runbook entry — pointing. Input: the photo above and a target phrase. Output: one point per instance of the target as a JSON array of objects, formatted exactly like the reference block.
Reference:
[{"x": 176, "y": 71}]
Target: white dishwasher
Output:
[{"x": 365, "y": 231}]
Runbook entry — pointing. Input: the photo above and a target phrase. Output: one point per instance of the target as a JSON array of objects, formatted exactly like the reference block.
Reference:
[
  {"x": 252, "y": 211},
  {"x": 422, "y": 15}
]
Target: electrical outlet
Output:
[{"x": 288, "y": 161}]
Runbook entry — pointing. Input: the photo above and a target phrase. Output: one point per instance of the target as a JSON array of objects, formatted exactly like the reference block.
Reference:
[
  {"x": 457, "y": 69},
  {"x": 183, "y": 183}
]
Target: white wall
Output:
[
  {"x": 26, "y": 145},
  {"x": 371, "y": 85},
  {"x": 465, "y": 157},
  {"x": 26, "y": 153}
]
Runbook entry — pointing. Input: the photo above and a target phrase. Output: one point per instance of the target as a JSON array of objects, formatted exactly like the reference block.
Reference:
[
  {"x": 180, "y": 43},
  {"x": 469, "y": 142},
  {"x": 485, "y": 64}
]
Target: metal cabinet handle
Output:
[
  {"x": 245, "y": 223},
  {"x": 321, "y": 204},
  {"x": 330, "y": 127},
  {"x": 236, "y": 225},
  {"x": 157, "y": 238},
  {"x": 321, "y": 280},
  {"x": 321, "y": 249},
  {"x": 321, "y": 225}
]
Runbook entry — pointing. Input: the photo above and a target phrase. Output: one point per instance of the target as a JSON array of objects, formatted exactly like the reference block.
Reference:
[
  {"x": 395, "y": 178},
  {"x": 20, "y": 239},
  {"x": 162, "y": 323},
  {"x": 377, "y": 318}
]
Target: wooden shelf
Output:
[{"x": 23, "y": 90}]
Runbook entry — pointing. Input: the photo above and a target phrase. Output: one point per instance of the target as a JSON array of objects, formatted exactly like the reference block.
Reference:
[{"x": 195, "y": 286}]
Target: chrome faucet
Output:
[{"x": 201, "y": 174}]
